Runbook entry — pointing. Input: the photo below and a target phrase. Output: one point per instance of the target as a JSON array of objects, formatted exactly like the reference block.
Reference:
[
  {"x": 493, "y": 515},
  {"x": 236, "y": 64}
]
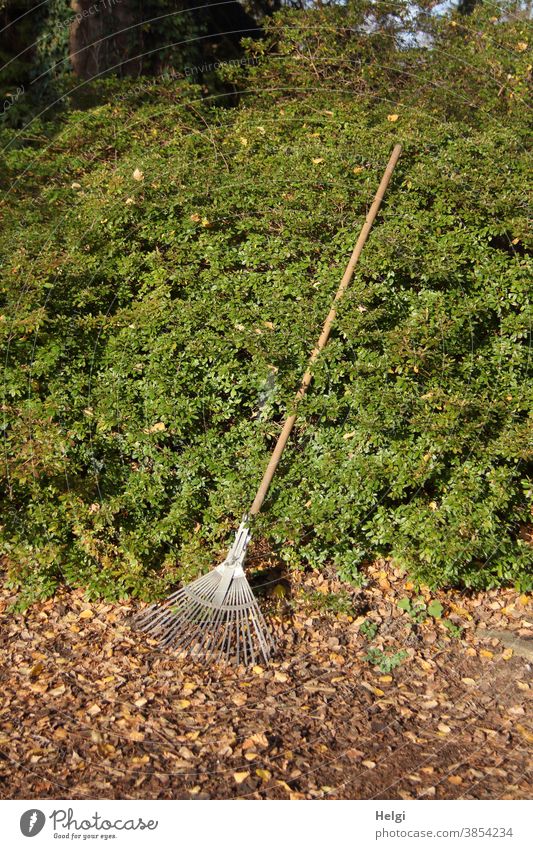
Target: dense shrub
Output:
[{"x": 164, "y": 281}]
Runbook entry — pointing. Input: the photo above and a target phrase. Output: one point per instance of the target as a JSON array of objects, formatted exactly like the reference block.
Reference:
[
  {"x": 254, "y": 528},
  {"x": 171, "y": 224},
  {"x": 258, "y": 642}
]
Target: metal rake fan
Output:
[{"x": 217, "y": 616}]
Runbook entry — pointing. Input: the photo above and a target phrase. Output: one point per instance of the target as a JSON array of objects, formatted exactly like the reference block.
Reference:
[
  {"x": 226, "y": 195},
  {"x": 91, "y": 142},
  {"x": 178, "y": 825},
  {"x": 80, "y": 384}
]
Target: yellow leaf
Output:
[
  {"x": 521, "y": 46},
  {"x": 433, "y": 505},
  {"x": 486, "y": 653},
  {"x": 195, "y": 217},
  {"x": 243, "y": 141},
  {"x": 257, "y": 670},
  {"x": 455, "y": 779},
  {"x": 263, "y": 774},
  {"x": 158, "y": 427},
  {"x": 392, "y": 118},
  {"x": 137, "y": 736},
  {"x": 369, "y": 764},
  {"x": 317, "y": 161},
  {"x": 280, "y": 677},
  {"x": 525, "y": 732},
  {"x": 385, "y": 679},
  {"x": 183, "y": 703},
  {"x": 239, "y": 777},
  {"x": 60, "y": 734},
  {"x": 358, "y": 169},
  {"x": 444, "y": 729},
  {"x": 507, "y": 654},
  {"x": 461, "y": 611},
  {"x": 86, "y": 614},
  {"x": 138, "y": 175},
  {"x": 284, "y": 785},
  {"x": 141, "y": 761},
  {"x": 469, "y": 682}
]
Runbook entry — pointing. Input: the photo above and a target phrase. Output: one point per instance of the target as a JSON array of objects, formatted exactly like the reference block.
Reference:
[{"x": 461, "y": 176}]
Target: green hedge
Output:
[{"x": 155, "y": 330}]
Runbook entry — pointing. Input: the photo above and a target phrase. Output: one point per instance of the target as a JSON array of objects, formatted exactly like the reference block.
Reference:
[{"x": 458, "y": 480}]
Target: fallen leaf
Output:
[
  {"x": 239, "y": 777},
  {"x": 138, "y": 175},
  {"x": 525, "y": 732},
  {"x": 392, "y": 118},
  {"x": 137, "y": 736},
  {"x": 60, "y": 734}
]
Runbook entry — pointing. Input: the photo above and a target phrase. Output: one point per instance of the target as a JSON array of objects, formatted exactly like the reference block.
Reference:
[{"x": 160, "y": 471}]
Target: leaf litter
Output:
[{"x": 362, "y": 700}]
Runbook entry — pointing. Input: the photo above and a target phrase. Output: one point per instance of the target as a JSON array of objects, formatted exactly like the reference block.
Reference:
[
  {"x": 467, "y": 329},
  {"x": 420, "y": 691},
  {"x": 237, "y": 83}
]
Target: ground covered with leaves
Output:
[{"x": 376, "y": 692}]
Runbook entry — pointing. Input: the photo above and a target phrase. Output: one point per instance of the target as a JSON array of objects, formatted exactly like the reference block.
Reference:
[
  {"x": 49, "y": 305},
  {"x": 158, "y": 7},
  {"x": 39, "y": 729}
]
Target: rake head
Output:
[{"x": 215, "y": 617}]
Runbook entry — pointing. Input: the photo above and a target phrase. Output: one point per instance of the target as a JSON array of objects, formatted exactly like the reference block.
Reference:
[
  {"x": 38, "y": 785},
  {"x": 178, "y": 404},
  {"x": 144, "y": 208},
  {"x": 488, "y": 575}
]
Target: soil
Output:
[{"x": 92, "y": 709}]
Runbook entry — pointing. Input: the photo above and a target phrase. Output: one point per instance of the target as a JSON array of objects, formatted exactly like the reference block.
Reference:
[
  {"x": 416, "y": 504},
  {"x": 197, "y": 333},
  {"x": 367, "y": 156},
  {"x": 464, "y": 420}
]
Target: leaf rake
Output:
[{"x": 217, "y": 617}]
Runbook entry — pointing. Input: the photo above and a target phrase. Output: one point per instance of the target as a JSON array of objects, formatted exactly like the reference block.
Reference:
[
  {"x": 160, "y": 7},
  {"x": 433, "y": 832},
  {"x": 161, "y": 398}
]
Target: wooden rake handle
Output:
[{"x": 324, "y": 336}]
